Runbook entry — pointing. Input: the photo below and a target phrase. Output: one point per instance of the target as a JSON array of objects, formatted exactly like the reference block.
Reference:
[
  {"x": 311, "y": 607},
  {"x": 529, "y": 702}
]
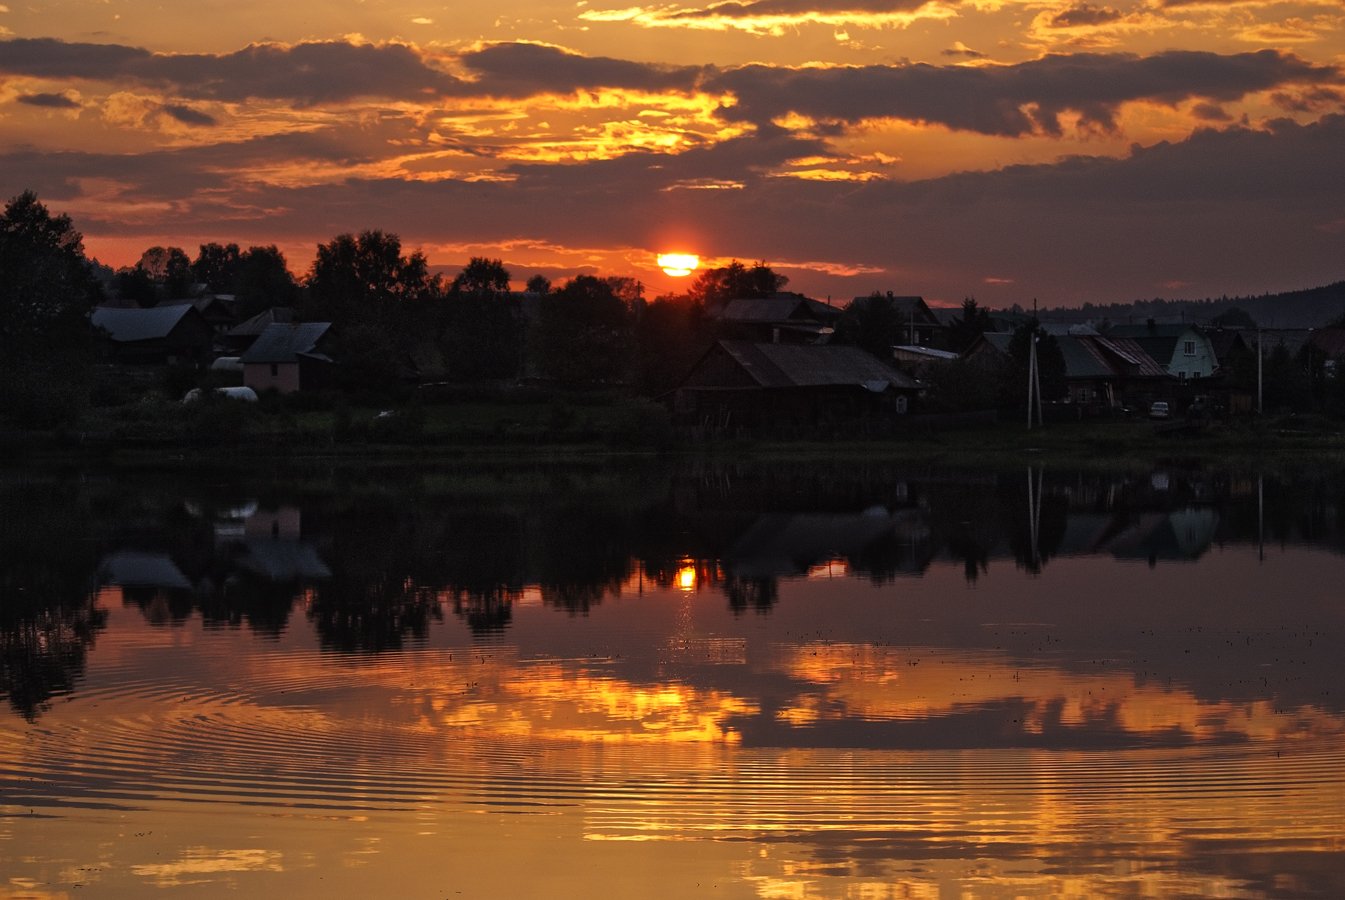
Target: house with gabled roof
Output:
[
  {"x": 781, "y": 318},
  {"x": 287, "y": 358},
  {"x": 1100, "y": 370},
  {"x": 158, "y": 335},
  {"x": 1183, "y": 350},
  {"x": 240, "y": 337},
  {"x": 764, "y": 385}
]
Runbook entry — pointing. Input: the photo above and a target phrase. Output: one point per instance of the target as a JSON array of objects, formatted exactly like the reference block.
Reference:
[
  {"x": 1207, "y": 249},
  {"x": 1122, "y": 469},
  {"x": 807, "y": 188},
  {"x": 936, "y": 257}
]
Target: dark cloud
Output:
[
  {"x": 1210, "y": 112},
  {"x": 49, "y": 101},
  {"x": 1082, "y": 14},
  {"x": 1231, "y": 210},
  {"x": 962, "y": 51},
  {"x": 1010, "y": 100},
  {"x": 1313, "y": 100},
  {"x": 188, "y": 116},
  {"x": 308, "y": 73},
  {"x": 740, "y": 10},
  {"x": 522, "y": 70}
]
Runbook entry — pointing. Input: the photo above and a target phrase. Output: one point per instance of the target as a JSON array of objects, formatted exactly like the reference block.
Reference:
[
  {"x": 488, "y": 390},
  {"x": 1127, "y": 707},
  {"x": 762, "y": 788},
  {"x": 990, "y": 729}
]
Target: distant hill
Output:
[{"x": 1309, "y": 308}]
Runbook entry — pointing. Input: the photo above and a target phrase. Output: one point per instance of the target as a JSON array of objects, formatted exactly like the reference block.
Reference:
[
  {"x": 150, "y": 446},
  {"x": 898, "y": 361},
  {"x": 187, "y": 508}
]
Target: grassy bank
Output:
[{"x": 547, "y": 425}]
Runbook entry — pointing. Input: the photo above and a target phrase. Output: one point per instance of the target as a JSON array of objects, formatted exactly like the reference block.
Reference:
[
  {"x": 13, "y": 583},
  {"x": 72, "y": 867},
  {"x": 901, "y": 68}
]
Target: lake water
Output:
[{"x": 653, "y": 679}]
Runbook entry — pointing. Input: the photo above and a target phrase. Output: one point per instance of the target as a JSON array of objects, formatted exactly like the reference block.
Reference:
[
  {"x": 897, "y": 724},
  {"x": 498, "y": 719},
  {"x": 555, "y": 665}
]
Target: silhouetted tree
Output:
[
  {"x": 670, "y": 335},
  {"x": 262, "y": 280},
  {"x": 482, "y": 277},
  {"x": 1234, "y": 317},
  {"x": 134, "y": 283},
  {"x": 538, "y": 284},
  {"x": 216, "y": 266},
  {"x": 717, "y": 286},
  {"x": 872, "y": 323},
  {"x": 170, "y": 270},
  {"x": 583, "y": 333},
  {"x": 374, "y": 295},
  {"x": 969, "y": 325},
  {"x": 46, "y": 292}
]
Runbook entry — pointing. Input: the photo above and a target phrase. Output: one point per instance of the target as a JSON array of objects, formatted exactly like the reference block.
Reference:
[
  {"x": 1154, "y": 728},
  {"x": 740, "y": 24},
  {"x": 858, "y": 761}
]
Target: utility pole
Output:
[{"x": 1259, "y": 394}]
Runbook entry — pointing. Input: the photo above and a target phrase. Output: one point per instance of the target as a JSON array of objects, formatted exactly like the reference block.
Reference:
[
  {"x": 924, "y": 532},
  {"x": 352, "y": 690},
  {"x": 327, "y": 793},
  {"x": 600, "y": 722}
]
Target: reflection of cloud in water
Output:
[
  {"x": 203, "y": 861},
  {"x": 1011, "y": 703}
]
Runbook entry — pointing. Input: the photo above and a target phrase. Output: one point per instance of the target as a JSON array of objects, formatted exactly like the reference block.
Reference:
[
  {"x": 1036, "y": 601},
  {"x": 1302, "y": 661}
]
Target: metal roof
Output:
[
  {"x": 257, "y": 324},
  {"x": 811, "y": 365},
  {"x": 280, "y": 343},
  {"x": 790, "y": 307},
  {"x": 130, "y": 325}
]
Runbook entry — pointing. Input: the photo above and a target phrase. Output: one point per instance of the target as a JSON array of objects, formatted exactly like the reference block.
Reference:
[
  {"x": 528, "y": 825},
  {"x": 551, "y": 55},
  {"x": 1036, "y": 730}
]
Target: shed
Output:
[{"x": 287, "y": 358}]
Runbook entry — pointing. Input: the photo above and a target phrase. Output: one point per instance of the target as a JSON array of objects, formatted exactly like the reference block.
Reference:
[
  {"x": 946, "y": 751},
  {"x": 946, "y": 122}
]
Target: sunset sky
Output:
[{"x": 1006, "y": 149}]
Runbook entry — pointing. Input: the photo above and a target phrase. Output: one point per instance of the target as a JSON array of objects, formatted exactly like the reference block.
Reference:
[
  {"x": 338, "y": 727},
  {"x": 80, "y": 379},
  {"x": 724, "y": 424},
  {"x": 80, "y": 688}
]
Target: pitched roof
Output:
[
  {"x": 912, "y": 307},
  {"x": 812, "y": 365},
  {"x": 777, "y": 308},
  {"x": 130, "y": 325},
  {"x": 1094, "y": 356},
  {"x": 257, "y": 324},
  {"x": 280, "y": 343}
]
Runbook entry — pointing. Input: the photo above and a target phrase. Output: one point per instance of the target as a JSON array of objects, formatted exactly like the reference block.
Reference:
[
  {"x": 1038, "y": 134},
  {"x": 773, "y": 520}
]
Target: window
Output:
[
  {"x": 1181, "y": 376},
  {"x": 275, "y": 370},
  {"x": 1189, "y": 348}
]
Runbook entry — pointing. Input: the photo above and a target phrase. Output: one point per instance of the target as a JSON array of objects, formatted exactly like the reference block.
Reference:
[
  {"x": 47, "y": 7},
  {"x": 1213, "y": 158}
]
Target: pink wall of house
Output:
[{"x": 284, "y": 377}]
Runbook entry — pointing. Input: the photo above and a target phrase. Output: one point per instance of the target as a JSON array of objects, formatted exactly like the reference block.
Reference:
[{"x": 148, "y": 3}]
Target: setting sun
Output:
[{"x": 678, "y": 264}]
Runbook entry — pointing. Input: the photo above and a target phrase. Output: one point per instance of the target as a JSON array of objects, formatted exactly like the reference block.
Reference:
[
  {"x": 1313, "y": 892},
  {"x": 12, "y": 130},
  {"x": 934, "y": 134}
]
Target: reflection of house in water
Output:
[
  {"x": 274, "y": 551},
  {"x": 875, "y": 542},
  {"x": 151, "y": 581},
  {"x": 1181, "y": 535}
]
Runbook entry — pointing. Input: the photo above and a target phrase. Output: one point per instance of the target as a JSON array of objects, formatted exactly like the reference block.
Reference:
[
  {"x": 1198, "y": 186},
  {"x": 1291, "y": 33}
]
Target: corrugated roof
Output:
[
  {"x": 775, "y": 309},
  {"x": 130, "y": 325},
  {"x": 257, "y": 324},
  {"x": 280, "y": 343},
  {"x": 810, "y": 365}
]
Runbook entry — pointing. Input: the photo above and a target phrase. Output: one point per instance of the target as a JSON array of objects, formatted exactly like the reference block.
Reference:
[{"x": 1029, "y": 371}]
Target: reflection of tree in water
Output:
[
  {"x": 582, "y": 555},
  {"x": 363, "y": 617},
  {"x": 48, "y": 620},
  {"x": 374, "y": 600},
  {"x": 43, "y": 654},
  {"x": 159, "y": 606},
  {"x": 758, "y": 594},
  {"x": 486, "y": 613},
  {"x": 264, "y": 605}
]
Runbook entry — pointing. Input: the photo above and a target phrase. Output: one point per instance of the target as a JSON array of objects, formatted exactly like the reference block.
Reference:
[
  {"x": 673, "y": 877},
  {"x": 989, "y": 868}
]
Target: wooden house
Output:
[
  {"x": 1183, "y": 350},
  {"x": 287, "y": 358},
  {"x": 782, "y": 318},
  {"x": 791, "y": 387},
  {"x": 156, "y": 336}
]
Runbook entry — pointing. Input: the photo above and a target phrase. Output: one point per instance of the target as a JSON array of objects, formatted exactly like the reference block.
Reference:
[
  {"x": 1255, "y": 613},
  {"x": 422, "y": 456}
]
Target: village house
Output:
[
  {"x": 782, "y": 318},
  {"x": 241, "y": 336},
  {"x": 161, "y": 335},
  {"x": 1183, "y": 350},
  {"x": 745, "y": 384},
  {"x": 1100, "y": 371},
  {"x": 287, "y": 358}
]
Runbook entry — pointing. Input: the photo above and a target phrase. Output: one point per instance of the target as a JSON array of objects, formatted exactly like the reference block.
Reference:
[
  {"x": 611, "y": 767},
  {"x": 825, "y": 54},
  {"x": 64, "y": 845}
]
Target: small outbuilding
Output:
[{"x": 287, "y": 358}]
